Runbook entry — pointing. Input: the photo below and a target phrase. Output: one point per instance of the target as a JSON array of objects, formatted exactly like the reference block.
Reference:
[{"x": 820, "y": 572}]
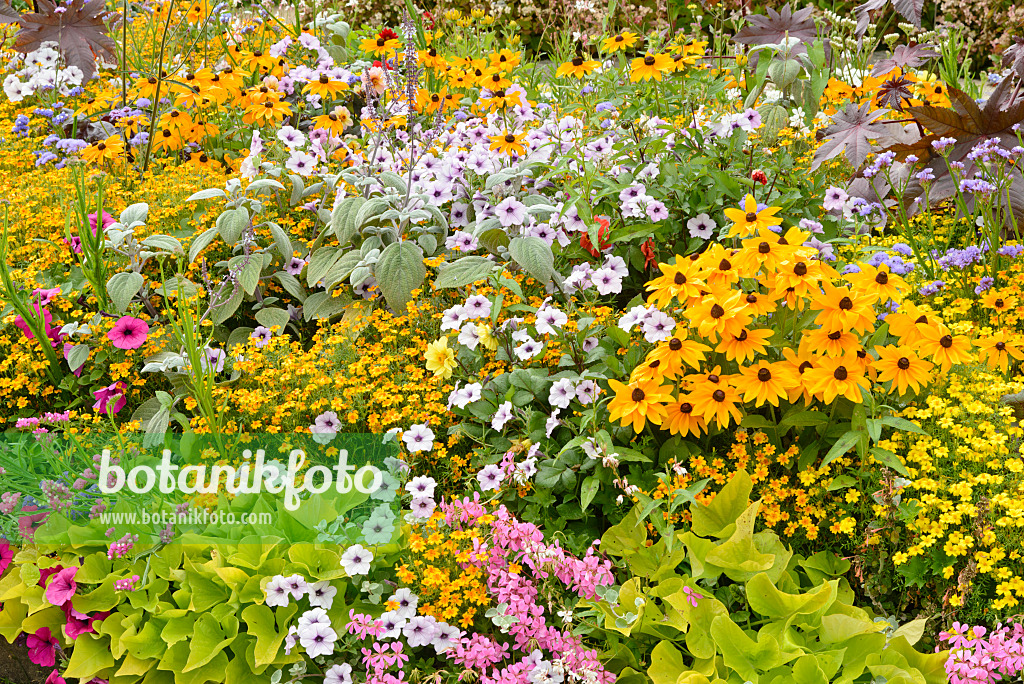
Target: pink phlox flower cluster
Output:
[
  {"x": 364, "y": 625},
  {"x": 512, "y": 541}
]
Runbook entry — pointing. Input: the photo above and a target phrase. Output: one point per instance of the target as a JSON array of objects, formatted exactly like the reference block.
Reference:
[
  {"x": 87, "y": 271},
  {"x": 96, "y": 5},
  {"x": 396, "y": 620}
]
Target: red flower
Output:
[
  {"x": 602, "y": 237},
  {"x": 759, "y": 176},
  {"x": 650, "y": 256},
  {"x": 387, "y": 34},
  {"x": 428, "y": 20}
]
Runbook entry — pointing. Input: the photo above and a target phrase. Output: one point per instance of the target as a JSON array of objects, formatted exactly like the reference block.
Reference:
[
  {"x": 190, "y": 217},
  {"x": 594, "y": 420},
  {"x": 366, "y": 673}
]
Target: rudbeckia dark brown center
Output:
[
  {"x": 675, "y": 344},
  {"x": 840, "y": 373},
  {"x": 510, "y": 138},
  {"x": 764, "y": 375},
  {"x": 764, "y": 248},
  {"x": 800, "y": 269},
  {"x": 946, "y": 341},
  {"x": 903, "y": 363},
  {"x": 717, "y": 311},
  {"x": 882, "y": 278},
  {"x": 638, "y": 395},
  {"x": 835, "y": 335},
  {"x": 718, "y": 395},
  {"x": 846, "y": 303},
  {"x": 751, "y": 217},
  {"x": 649, "y": 60},
  {"x": 679, "y": 279}
]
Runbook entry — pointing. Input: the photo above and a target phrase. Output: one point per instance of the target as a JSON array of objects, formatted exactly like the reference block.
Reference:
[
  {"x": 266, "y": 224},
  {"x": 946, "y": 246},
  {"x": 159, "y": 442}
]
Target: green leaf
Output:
[
  {"x": 165, "y": 243},
  {"x": 666, "y": 663},
  {"x": 291, "y": 285},
  {"x": 728, "y": 505},
  {"x": 211, "y": 636},
  {"x": 343, "y": 219},
  {"x": 76, "y": 356},
  {"x": 231, "y": 223},
  {"x": 534, "y": 255},
  {"x": 464, "y": 271},
  {"x": 200, "y": 243},
  {"x": 90, "y": 657},
  {"x": 271, "y": 316},
  {"x": 320, "y": 263},
  {"x": 886, "y": 457},
  {"x": 589, "y": 491},
  {"x": 842, "y": 445},
  {"x": 249, "y": 276},
  {"x": 209, "y": 193},
  {"x": 903, "y": 424},
  {"x": 281, "y": 241},
  {"x": 804, "y": 418},
  {"x": 765, "y": 599},
  {"x": 122, "y": 287},
  {"x": 398, "y": 272},
  {"x": 269, "y": 630}
]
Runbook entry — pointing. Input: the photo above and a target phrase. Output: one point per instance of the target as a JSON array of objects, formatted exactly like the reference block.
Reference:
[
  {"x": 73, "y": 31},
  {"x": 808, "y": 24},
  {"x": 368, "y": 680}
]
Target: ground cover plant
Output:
[{"x": 400, "y": 343}]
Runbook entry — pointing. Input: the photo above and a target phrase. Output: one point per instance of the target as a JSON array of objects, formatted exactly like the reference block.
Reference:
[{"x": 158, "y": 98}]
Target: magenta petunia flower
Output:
[
  {"x": 55, "y": 678},
  {"x": 42, "y": 648},
  {"x": 107, "y": 220},
  {"x": 6, "y": 555},
  {"x": 62, "y": 587},
  {"x": 20, "y": 323},
  {"x": 129, "y": 333},
  {"x": 110, "y": 393}
]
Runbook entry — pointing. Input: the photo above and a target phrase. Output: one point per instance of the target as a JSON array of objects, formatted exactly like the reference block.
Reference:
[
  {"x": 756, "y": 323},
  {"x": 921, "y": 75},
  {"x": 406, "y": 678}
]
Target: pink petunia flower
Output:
[
  {"x": 42, "y": 648},
  {"x": 107, "y": 221},
  {"x": 111, "y": 393},
  {"x": 129, "y": 333},
  {"x": 55, "y": 678},
  {"x": 20, "y": 323},
  {"x": 62, "y": 587},
  {"x": 6, "y": 555}
]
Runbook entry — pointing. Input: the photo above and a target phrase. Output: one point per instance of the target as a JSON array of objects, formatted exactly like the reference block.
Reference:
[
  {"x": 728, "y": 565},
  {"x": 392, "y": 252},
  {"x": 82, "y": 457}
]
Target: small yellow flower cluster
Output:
[{"x": 438, "y": 572}]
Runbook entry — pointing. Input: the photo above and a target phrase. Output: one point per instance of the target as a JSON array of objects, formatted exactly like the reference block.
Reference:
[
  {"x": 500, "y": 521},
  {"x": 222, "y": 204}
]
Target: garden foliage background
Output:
[{"x": 686, "y": 338}]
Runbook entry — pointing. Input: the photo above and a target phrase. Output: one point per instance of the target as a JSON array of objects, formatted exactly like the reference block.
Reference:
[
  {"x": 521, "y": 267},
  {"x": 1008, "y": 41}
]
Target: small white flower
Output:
[
  {"x": 490, "y": 477},
  {"x": 407, "y": 602},
  {"x": 277, "y": 592},
  {"x": 421, "y": 485},
  {"x": 502, "y": 416},
  {"x": 356, "y": 560},
  {"x": 418, "y": 438},
  {"x": 321, "y": 594}
]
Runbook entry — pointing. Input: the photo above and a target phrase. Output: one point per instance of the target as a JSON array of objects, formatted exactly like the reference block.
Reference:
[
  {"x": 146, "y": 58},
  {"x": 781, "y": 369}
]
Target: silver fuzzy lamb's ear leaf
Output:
[
  {"x": 534, "y": 255},
  {"x": 851, "y": 132},
  {"x": 201, "y": 242},
  {"x": 122, "y": 287},
  {"x": 398, "y": 272}
]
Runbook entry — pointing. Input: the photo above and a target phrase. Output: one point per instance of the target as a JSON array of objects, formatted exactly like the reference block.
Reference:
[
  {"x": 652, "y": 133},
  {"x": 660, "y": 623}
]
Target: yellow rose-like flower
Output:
[
  {"x": 440, "y": 358},
  {"x": 489, "y": 341}
]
